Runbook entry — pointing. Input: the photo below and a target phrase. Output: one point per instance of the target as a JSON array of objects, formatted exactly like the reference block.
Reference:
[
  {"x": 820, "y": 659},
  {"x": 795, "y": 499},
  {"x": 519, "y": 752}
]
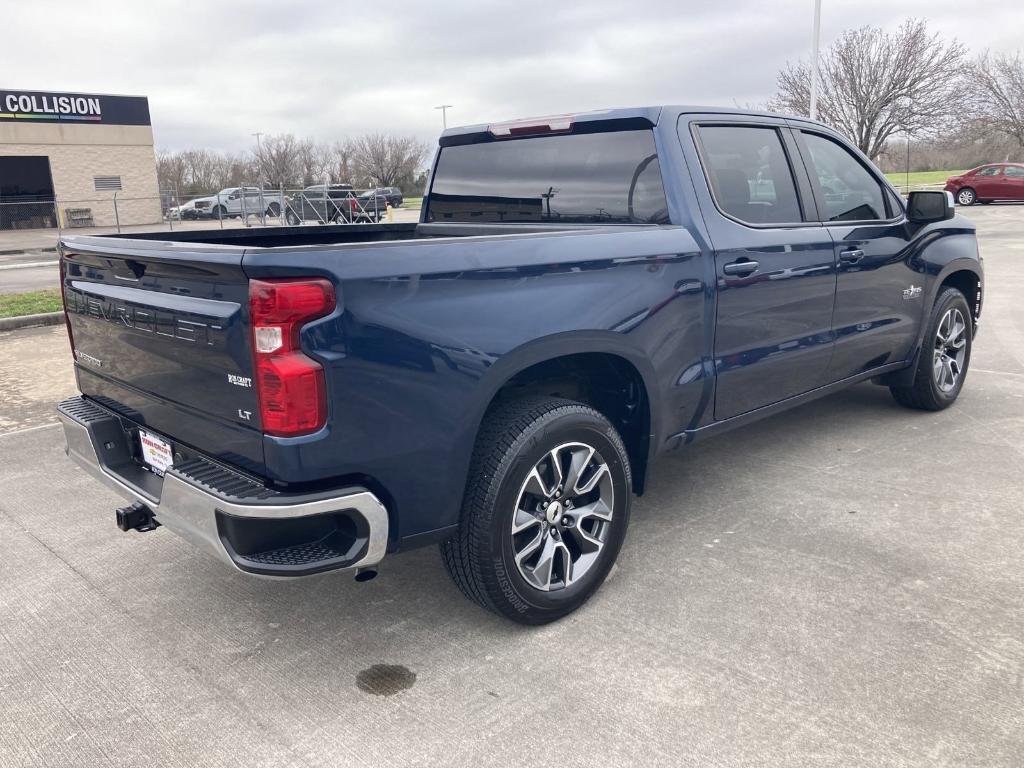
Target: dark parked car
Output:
[
  {"x": 393, "y": 195},
  {"x": 988, "y": 183},
  {"x": 581, "y": 295},
  {"x": 373, "y": 204}
]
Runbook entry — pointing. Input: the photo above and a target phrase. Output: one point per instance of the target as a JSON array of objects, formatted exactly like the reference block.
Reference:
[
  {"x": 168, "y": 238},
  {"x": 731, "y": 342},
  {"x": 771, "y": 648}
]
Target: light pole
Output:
[
  {"x": 906, "y": 105},
  {"x": 444, "y": 114},
  {"x": 259, "y": 155},
  {"x": 814, "y": 60}
]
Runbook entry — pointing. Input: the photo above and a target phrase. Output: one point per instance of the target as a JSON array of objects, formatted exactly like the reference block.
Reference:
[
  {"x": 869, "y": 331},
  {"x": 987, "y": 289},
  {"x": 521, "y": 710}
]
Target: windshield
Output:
[{"x": 611, "y": 177}]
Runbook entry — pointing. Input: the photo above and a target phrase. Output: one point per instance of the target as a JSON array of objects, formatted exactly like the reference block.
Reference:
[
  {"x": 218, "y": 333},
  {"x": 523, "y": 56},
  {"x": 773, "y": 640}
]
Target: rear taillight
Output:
[{"x": 289, "y": 385}]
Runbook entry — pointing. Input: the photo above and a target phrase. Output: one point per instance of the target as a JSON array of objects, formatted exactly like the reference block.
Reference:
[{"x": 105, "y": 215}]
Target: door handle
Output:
[
  {"x": 740, "y": 268},
  {"x": 851, "y": 256}
]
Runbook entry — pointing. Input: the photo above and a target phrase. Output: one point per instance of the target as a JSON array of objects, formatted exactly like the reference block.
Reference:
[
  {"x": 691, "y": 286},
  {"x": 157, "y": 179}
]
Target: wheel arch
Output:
[
  {"x": 966, "y": 279},
  {"x": 596, "y": 368},
  {"x": 965, "y": 275}
]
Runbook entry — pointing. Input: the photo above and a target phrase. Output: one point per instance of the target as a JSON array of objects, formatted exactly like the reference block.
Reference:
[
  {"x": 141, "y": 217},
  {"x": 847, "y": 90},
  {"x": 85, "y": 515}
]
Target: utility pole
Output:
[
  {"x": 259, "y": 154},
  {"x": 814, "y": 60},
  {"x": 444, "y": 114}
]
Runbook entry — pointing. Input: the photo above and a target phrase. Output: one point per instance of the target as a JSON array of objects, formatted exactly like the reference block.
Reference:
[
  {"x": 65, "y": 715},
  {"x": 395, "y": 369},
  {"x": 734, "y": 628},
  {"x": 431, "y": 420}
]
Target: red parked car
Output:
[{"x": 996, "y": 181}]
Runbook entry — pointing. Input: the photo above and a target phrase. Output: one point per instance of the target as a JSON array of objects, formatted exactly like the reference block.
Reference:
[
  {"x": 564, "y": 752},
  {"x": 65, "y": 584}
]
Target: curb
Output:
[
  {"x": 16, "y": 251},
  {"x": 30, "y": 321}
]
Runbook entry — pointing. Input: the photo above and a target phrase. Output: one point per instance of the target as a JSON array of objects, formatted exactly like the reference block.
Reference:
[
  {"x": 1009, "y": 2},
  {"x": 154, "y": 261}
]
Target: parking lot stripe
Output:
[{"x": 29, "y": 429}]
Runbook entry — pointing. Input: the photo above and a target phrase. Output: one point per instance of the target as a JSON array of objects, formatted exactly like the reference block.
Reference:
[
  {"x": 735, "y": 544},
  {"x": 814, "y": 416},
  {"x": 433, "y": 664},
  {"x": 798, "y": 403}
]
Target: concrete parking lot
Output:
[{"x": 840, "y": 585}]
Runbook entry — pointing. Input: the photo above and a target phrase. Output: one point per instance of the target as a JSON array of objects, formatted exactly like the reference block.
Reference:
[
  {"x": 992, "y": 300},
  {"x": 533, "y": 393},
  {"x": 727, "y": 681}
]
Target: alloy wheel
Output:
[
  {"x": 562, "y": 516},
  {"x": 950, "y": 350}
]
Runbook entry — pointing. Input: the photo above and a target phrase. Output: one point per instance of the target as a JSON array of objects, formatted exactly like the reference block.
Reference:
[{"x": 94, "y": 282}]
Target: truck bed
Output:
[
  {"x": 161, "y": 330},
  {"x": 337, "y": 234}
]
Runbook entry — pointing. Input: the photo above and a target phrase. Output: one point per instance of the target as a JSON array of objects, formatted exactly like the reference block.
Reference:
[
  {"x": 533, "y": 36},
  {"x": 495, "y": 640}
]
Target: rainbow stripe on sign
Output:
[{"x": 21, "y": 116}]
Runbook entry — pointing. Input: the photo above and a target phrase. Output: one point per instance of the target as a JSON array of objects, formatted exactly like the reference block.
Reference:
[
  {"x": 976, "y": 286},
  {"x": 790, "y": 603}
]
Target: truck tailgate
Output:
[{"x": 160, "y": 336}]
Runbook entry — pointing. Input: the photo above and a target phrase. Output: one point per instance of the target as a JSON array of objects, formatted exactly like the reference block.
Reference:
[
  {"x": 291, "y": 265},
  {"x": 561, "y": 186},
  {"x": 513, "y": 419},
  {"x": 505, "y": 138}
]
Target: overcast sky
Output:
[{"x": 219, "y": 70}]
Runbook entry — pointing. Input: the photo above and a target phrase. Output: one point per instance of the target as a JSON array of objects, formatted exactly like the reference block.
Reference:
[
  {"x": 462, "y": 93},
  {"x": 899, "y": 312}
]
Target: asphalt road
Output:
[{"x": 842, "y": 585}]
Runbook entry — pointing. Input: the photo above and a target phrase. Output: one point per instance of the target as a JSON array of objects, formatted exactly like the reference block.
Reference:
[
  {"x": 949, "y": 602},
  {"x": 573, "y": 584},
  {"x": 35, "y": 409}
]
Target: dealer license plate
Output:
[{"x": 156, "y": 452}]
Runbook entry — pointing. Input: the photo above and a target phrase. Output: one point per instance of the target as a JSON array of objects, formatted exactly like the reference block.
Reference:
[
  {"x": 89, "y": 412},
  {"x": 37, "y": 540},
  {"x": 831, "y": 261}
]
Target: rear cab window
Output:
[
  {"x": 610, "y": 177},
  {"x": 749, "y": 173}
]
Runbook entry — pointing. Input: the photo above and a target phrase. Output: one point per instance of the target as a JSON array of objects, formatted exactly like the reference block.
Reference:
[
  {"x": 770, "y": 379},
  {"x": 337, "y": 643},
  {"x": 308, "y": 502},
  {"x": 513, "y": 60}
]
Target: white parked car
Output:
[
  {"x": 240, "y": 202},
  {"x": 183, "y": 212}
]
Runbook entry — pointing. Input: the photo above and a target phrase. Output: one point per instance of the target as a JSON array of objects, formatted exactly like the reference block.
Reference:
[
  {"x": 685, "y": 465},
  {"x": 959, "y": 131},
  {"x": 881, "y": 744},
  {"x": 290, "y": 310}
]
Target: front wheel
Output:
[
  {"x": 966, "y": 196},
  {"x": 945, "y": 356},
  {"x": 545, "y": 511},
  {"x": 273, "y": 210}
]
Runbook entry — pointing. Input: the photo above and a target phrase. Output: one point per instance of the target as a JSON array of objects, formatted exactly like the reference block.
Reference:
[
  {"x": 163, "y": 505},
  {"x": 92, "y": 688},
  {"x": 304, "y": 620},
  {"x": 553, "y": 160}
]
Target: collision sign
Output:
[{"x": 43, "y": 106}]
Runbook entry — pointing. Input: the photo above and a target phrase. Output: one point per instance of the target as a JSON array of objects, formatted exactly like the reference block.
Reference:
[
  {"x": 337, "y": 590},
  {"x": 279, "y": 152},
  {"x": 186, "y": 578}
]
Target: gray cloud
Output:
[{"x": 217, "y": 71}]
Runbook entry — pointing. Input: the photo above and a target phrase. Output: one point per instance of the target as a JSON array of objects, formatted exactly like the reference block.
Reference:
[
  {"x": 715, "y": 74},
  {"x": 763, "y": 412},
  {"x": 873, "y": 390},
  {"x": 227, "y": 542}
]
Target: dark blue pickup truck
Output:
[{"x": 581, "y": 294}]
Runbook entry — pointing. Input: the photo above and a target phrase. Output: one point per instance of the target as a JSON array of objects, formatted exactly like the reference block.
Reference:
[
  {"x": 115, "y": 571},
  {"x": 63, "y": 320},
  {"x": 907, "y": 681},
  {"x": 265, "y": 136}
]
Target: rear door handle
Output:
[
  {"x": 851, "y": 256},
  {"x": 740, "y": 268}
]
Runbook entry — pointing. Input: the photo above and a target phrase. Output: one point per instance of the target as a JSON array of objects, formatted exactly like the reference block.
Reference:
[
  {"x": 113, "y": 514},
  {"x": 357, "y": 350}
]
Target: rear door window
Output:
[
  {"x": 749, "y": 173},
  {"x": 849, "y": 191},
  {"x": 592, "y": 178}
]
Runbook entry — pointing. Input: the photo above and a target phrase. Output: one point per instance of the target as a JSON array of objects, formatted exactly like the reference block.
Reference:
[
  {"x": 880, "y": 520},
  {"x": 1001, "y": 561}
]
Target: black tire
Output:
[
  {"x": 926, "y": 393},
  {"x": 292, "y": 218},
  {"x": 220, "y": 212},
  {"x": 966, "y": 196},
  {"x": 513, "y": 438},
  {"x": 274, "y": 210}
]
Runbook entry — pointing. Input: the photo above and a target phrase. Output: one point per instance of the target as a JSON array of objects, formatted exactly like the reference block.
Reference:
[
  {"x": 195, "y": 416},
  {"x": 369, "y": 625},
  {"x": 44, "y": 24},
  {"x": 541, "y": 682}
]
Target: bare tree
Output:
[
  {"x": 204, "y": 170},
  {"x": 372, "y": 160},
  {"x": 873, "y": 84},
  {"x": 171, "y": 172},
  {"x": 315, "y": 160},
  {"x": 998, "y": 82},
  {"x": 342, "y": 155},
  {"x": 238, "y": 170},
  {"x": 280, "y": 161},
  {"x": 386, "y": 161}
]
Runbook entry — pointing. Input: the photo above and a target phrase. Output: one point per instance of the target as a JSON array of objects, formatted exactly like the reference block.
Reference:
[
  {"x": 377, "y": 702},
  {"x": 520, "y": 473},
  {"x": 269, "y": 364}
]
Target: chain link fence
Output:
[{"x": 242, "y": 206}]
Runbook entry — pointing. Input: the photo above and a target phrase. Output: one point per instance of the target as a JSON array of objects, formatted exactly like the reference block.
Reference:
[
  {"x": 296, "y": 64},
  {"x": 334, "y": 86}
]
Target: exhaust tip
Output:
[{"x": 365, "y": 574}]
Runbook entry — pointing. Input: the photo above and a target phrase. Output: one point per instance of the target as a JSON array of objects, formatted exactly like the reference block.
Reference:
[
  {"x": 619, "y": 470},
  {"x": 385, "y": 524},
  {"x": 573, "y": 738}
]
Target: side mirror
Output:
[{"x": 928, "y": 206}]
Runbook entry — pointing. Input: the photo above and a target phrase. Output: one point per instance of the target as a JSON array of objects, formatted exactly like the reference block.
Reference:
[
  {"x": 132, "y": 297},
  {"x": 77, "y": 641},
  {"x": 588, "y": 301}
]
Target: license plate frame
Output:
[{"x": 157, "y": 453}]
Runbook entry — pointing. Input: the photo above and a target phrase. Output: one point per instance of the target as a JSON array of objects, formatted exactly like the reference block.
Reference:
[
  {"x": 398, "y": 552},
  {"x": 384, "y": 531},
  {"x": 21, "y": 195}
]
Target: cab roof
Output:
[{"x": 590, "y": 122}]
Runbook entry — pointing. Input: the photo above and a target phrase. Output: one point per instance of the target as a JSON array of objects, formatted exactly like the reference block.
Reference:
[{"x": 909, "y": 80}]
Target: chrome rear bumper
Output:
[{"x": 255, "y": 530}]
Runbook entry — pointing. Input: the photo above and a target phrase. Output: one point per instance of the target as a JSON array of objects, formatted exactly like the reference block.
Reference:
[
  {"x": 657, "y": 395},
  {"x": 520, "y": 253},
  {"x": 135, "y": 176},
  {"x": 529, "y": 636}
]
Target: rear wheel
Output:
[
  {"x": 945, "y": 356},
  {"x": 545, "y": 512},
  {"x": 220, "y": 212},
  {"x": 274, "y": 210},
  {"x": 292, "y": 218},
  {"x": 966, "y": 196}
]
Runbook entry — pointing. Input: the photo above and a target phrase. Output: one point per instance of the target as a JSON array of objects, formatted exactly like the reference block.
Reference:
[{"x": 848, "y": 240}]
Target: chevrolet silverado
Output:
[{"x": 580, "y": 295}]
